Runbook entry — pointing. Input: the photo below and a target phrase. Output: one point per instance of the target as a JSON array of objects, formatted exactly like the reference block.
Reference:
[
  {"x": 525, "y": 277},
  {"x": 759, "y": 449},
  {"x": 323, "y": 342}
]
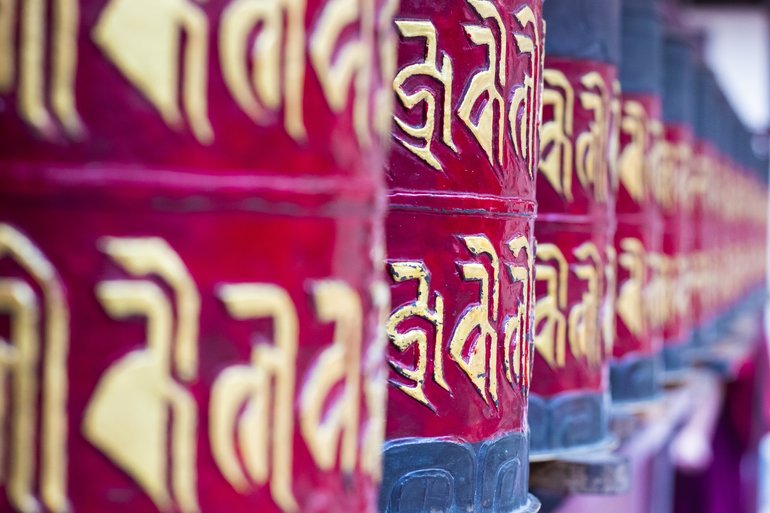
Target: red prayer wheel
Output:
[
  {"x": 575, "y": 225},
  {"x": 461, "y": 255},
  {"x": 705, "y": 202},
  {"x": 191, "y": 293},
  {"x": 677, "y": 243},
  {"x": 677, "y": 177},
  {"x": 642, "y": 266}
]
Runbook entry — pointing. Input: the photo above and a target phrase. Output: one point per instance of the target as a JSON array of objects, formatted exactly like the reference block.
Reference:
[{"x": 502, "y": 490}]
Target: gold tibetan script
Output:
[
  {"x": 487, "y": 83},
  {"x": 632, "y": 167},
  {"x": 427, "y": 68},
  {"x": 473, "y": 345},
  {"x": 129, "y": 413},
  {"x": 29, "y": 348},
  {"x": 277, "y": 57},
  {"x": 551, "y": 338},
  {"x": 591, "y": 146},
  {"x": 387, "y": 50},
  {"x": 630, "y": 305},
  {"x": 341, "y": 67},
  {"x": 331, "y": 427},
  {"x": 266, "y": 389},
  {"x": 419, "y": 309},
  {"x": 657, "y": 295},
  {"x": 478, "y": 319},
  {"x": 524, "y": 102},
  {"x": 143, "y": 39},
  {"x": 555, "y": 135},
  {"x": 33, "y": 94},
  {"x": 515, "y": 331},
  {"x": 583, "y": 318}
]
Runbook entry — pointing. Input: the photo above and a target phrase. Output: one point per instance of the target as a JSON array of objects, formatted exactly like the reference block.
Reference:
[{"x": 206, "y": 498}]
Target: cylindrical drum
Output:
[
  {"x": 461, "y": 255},
  {"x": 191, "y": 210},
  {"x": 575, "y": 267},
  {"x": 707, "y": 121},
  {"x": 641, "y": 279},
  {"x": 677, "y": 207}
]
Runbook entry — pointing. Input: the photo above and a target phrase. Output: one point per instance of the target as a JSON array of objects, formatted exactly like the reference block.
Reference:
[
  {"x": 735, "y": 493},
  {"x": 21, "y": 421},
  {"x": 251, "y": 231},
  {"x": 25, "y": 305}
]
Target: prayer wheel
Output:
[
  {"x": 676, "y": 177},
  {"x": 191, "y": 236},
  {"x": 707, "y": 121},
  {"x": 575, "y": 264},
  {"x": 461, "y": 184},
  {"x": 642, "y": 281}
]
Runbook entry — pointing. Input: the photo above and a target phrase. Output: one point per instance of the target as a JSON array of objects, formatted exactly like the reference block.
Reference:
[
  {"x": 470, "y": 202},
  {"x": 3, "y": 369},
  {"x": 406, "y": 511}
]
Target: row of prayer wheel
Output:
[{"x": 330, "y": 256}]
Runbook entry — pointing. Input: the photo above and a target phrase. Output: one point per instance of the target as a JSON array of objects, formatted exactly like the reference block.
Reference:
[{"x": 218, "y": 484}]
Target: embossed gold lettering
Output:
[
  {"x": 556, "y": 150},
  {"x": 127, "y": 417},
  {"x": 427, "y": 68}
]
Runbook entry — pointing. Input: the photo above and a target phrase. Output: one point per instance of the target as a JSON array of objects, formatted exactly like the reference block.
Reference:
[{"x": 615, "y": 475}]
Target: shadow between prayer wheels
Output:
[
  {"x": 643, "y": 292},
  {"x": 575, "y": 266},
  {"x": 461, "y": 256},
  {"x": 191, "y": 291}
]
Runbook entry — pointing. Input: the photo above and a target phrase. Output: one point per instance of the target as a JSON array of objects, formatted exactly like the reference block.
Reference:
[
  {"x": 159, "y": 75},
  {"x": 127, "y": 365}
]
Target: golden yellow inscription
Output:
[
  {"x": 143, "y": 39},
  {"x": 30, "y": 348},
  {"x": 331, "y": 427},
  {"x": 264, "y": 390},
  {"x": 478, "y": 318},
  {"x": 474, "y": 343},
  {"x": 657, "y": 296},
  {"x": 551, "y": 337},
  {"x": 632, "y": 166},
  {"x": 583, "y": 320},
  {"x": 556, "y": 152},
  {"x": 591, "y": 146},
  {"x": 129, "y": 413},
  {"x": 277, "y": 58},
  {"x": 344, "y": 66},
  {"x": 40, "y": 31},
  {"x": 443, "y": 76},
  {"x": 487, "y": 83},
  {"x": 19, "y": 358},
  {"x": 515, "y": 335},
  {"x": 630, "y": 304},
  {"x": 523, "y": 116},
  {"x": 387, "y": 46},
  {"x": 419, "y": 308},
  {"x": 659, "y": 174}
]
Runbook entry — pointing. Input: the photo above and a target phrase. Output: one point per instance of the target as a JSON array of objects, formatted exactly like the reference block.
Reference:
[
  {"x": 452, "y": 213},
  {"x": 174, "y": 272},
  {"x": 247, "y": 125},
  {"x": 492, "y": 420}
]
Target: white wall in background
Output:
[{"x": 738, "y": 50}]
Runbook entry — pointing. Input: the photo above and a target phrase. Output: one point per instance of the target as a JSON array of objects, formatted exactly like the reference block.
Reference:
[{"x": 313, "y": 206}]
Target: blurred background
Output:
[
  {"x": 718, "y": 460},
  {"x": 735, "y": 38}
]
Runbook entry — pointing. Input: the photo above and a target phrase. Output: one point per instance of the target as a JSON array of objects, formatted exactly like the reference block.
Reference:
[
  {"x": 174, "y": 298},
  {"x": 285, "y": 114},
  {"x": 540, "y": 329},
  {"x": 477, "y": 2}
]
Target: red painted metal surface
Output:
[
  {"x": 575, "y": 257},
  {"x": 677, "y": 208},
  {"x": 191, "y": 288},
  {"x": 639, "y": 235},
  {"x": 460, "y": 253},
  {"x": 433, "y": 212}
]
